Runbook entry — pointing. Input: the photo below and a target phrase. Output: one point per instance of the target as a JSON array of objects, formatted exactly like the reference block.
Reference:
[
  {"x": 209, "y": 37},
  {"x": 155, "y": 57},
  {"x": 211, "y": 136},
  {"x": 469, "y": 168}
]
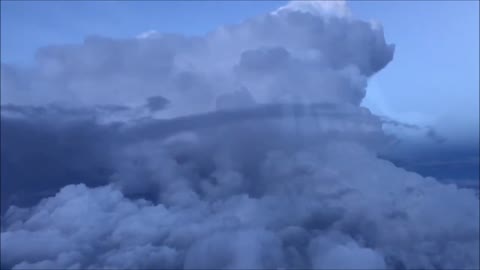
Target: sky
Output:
[
  {"x": 436, "y": 60},
  {"x": 271, "y": 135}
]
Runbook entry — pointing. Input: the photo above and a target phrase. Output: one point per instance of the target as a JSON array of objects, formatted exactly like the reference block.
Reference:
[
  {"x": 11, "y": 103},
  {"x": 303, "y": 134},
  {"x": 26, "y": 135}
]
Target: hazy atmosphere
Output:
[{"x": 240, "y": 135}]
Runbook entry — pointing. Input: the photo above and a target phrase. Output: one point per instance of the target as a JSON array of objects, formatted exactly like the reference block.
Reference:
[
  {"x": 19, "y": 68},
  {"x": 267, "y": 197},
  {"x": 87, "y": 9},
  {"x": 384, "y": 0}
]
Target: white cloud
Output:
[
  {"x": 288, "y": 57},
  {"x": 336, "y": 8},
  {"x": 148, "y": 34}
]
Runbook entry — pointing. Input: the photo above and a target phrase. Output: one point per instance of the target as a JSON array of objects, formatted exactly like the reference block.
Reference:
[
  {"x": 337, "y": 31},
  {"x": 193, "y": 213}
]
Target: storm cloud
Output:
[{"x": 245, "y": 148}]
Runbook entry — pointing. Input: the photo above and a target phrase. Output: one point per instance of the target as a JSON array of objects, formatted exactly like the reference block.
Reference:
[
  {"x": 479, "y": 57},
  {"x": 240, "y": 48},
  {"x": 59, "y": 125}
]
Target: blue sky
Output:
[{"x": 433, "y": 79}]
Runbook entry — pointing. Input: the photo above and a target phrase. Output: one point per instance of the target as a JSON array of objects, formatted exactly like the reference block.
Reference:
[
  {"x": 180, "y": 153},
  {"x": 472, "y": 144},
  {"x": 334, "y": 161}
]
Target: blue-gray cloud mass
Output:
[{"x": 245, "y": 148}]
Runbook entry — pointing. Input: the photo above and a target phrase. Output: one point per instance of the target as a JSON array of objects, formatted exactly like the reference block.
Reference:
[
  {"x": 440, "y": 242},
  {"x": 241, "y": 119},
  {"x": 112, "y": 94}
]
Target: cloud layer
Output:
[{"x": 245, "y": 148}]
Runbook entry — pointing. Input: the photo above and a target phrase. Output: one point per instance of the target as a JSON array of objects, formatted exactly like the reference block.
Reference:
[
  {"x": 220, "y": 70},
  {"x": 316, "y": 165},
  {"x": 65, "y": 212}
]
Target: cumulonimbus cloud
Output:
[{"x": 243, "y": 148}]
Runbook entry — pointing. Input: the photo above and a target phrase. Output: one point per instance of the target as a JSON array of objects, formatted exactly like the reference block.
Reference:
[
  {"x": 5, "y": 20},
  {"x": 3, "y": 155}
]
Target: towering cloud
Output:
[
  {"x": 283, "y": 57},
  {"x": 243, "y": 148}
]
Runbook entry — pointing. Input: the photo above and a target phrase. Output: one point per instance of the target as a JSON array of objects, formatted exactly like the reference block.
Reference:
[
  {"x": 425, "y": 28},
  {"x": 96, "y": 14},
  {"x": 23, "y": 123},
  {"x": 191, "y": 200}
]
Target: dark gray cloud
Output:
[
  {"x": 41, "y": 153},
  {"x": 429, "y": 132},
  {"x": 243, "y": 148},
  {"x": 157, "y": 103},
  {"x": 442, "y": 161},
  {"x": 65, "y": 146}
]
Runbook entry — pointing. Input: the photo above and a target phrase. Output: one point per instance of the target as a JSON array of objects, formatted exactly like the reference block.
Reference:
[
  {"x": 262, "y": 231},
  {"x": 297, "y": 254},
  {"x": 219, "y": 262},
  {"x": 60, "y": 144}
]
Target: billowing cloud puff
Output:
[
  {"x": 306, "y": 209},
  {"x": 289, "y": 56},
  {"x": 321, "y": 8},
  {"x": 245, "y": 148}
]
